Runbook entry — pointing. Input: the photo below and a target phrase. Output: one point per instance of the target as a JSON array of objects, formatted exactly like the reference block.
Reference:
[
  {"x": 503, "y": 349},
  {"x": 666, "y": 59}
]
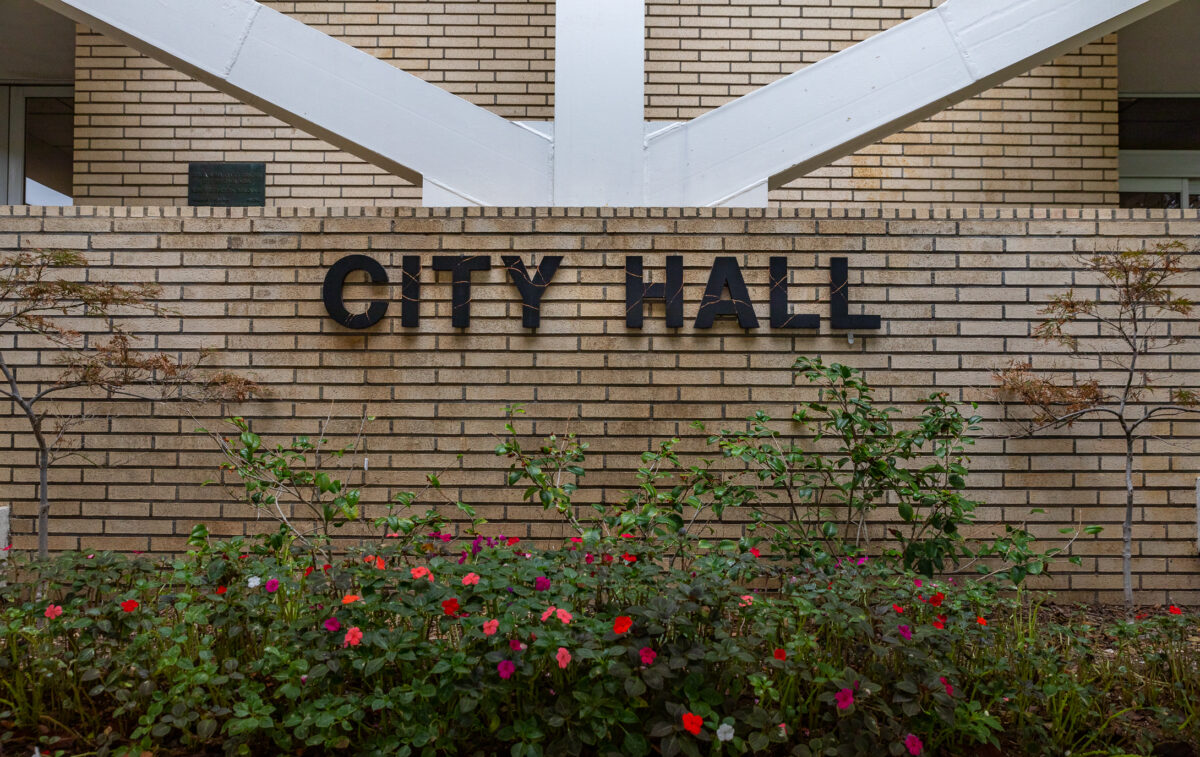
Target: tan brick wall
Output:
[
  {"x": 1048, "y": 138},
  {"x": 957, "y": 291}
]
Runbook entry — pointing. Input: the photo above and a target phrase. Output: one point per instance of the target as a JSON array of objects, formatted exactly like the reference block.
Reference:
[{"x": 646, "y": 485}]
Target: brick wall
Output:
[
  {"x": 957, "y": 292},
  {"x": 1048, "y": 138}
]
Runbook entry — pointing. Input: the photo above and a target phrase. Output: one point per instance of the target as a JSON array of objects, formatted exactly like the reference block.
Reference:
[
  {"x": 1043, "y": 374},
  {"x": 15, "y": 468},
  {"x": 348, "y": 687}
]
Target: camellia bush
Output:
[{"x": 638, "y": 635}]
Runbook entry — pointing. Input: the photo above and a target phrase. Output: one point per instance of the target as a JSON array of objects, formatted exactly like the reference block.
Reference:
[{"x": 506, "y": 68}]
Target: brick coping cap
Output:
[{"x": 916, "y": 214}]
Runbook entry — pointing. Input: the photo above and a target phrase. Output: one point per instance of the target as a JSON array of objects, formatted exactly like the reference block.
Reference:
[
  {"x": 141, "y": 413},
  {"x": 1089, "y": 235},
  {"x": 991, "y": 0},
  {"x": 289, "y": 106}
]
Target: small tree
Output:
[
  {"x": 1129, "y": 321},
  {"x": 38, "y": 295}
]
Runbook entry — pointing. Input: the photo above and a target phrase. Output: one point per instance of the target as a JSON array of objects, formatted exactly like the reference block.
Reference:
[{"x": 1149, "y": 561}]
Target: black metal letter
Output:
[
  {"x": 531, "y": 289},
  {"x": 460, "y": 267},
  {"x": 726, "y": 274},
  {"x": 638, "y": 291},
  {"x": 839, "y": 300},
  {"x": 780, "y": 318},
  {"x": 410, "y": 292},
  {"x": 335, "y": 279}
]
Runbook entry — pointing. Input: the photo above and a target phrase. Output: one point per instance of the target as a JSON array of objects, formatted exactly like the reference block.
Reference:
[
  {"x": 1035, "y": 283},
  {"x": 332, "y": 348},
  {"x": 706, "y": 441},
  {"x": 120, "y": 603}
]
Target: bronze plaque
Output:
[{"x": 227, "y": 184}]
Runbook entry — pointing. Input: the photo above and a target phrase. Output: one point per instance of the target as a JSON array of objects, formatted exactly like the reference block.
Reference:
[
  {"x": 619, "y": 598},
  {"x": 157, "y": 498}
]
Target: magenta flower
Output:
[
  {"x": 541, "y": 583},
  {"x": 272, "y": 586},
  {"x": 647, "y": 654},
  {"x": 333, "y": 625},
  {"x": 913, "y": 744},
  {"x": 516, "y": 646},
  {"x": 506, "y": 668},
  {"x": 906, "y": 632},
  {"x": 844, "y": 698}
]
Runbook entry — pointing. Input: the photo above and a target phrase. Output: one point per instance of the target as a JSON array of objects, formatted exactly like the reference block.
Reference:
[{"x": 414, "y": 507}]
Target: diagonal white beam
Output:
[
  {"x": 599, "y": 76},
  {"x": 866, "y": 92},
  {"x": 334, "y": 91}
]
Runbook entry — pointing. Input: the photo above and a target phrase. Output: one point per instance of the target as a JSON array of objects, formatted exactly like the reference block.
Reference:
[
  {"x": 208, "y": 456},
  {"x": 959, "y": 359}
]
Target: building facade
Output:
[{"x": 956, "y": 231}]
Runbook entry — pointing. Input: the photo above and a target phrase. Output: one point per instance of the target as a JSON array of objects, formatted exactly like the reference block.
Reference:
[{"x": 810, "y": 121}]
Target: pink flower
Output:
[
  {"x": 949, "y": 688},
  {"x": 353, "y": 638},
  {"x": 333, "y": 625},
  {"x": 489, "y": 627},
  {"x": 917, "y": 583},
  {"x": 53, "y": 611},
  {"x": 541, "y": 583},
  {"x": 563, "y": 657},
  {"x": 914, "y": 744},
  {"x": 549, "y": 611},
  {"x": 272, "y": 586},
  {"x": 862, "y": 560},
  {"x": 746, "y": 600},
  {"x": 506, "y": 668},
  {"x": 421, "y": 572},
  {"x": 564, "y": 616},
  {"x": 648, "y": 655},
  {"x": 844, "y": 698},
  {"x": 576, "y": 540},
  {"x": 906, "y": 632},
  {"x": 470, "y": 579}
]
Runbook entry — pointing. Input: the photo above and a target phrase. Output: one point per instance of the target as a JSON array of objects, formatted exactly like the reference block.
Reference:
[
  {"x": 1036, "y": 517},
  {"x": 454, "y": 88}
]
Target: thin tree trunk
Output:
[
  {"x": 1127, "y": 526},
  {"x": 43, "y": 503}
]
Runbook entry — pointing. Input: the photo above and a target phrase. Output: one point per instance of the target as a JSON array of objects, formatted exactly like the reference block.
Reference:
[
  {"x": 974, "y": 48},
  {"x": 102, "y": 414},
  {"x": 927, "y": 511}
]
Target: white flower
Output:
[
  {"x": 725, "y": 733},
  {"x": 254, "y": 582}
]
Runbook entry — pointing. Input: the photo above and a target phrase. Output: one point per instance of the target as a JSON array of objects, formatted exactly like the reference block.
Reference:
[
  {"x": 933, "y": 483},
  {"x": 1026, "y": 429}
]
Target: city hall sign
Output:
[{"x": 725, "y": 276}]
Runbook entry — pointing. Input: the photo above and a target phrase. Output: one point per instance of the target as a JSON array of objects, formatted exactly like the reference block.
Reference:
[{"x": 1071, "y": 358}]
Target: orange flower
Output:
[
  {"x": 350, "y": 599},
  {"x": 379, "y": 562}
]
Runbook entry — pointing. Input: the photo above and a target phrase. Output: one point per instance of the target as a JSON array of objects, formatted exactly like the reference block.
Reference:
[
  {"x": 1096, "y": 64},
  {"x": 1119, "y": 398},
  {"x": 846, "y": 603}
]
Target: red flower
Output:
[
  {"x": 130, "y": 605},
  {"x": 754, "y": 551},
  {"x": 608, "y": 558},
  {"x": 780, "y": 654},
  {"x": 622, "y": 624},
  {"x": 1141, "y": 616},
  {"x": 325, "y": 568},
  {"x": 692, "y": 723},
  {"x": 949, "y": 687},
  {"x": 450, "y": 607},
  {"x": 308, "y": 571},
  {"x": 936, "y": 599},
  {"x": 513, "y": 540},
  {"x": 576, "y": 540},
  {"x": 940, "y": 623},
  {"x": 1175, "y": 610},
  {"x": 628, "y": 557},
  {"x": 626, "y": 536},
  {"x": 899, "y": 610},
  {"x": 221, "y": 589},
  {"x": 981, "y": 620}
]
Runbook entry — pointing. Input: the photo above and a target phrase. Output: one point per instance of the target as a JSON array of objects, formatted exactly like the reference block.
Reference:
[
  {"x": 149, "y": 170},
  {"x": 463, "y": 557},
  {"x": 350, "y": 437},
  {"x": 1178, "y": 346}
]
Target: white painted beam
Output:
[
  {"x": 332, "y": 90},
  {"x": 599, "y": 75},
  {"x": 870, "y": 90}
]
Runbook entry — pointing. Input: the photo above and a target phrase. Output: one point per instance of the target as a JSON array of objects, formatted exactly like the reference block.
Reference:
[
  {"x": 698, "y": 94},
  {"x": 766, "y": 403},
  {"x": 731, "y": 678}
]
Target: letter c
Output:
[{"x": 336, "y": 279}]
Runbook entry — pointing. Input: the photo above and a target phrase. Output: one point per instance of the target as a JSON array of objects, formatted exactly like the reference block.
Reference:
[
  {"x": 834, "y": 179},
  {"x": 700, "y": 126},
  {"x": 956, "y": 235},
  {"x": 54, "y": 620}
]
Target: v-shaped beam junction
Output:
[{"x": 597, "y": 152}]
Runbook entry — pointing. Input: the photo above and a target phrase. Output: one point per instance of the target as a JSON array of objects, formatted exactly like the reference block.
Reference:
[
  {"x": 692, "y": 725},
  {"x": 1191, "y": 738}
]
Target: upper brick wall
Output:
[{"x": 1048, "y": 138}]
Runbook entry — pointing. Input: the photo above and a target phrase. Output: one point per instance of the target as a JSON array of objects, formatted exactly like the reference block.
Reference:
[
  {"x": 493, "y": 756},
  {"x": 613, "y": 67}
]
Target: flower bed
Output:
[{"x": 597, "y": 647}]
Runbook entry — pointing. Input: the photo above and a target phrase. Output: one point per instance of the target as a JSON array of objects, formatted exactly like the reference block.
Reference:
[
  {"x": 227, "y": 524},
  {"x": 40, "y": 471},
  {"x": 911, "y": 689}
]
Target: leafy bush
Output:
[
  {"x": 592, "y": 648},
  {"x": 639, "y": 635}
]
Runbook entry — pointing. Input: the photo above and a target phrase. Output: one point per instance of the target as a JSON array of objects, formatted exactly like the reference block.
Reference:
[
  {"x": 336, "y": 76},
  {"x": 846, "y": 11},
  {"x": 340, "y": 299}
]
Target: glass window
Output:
[{"x": 37, "y": 127}]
